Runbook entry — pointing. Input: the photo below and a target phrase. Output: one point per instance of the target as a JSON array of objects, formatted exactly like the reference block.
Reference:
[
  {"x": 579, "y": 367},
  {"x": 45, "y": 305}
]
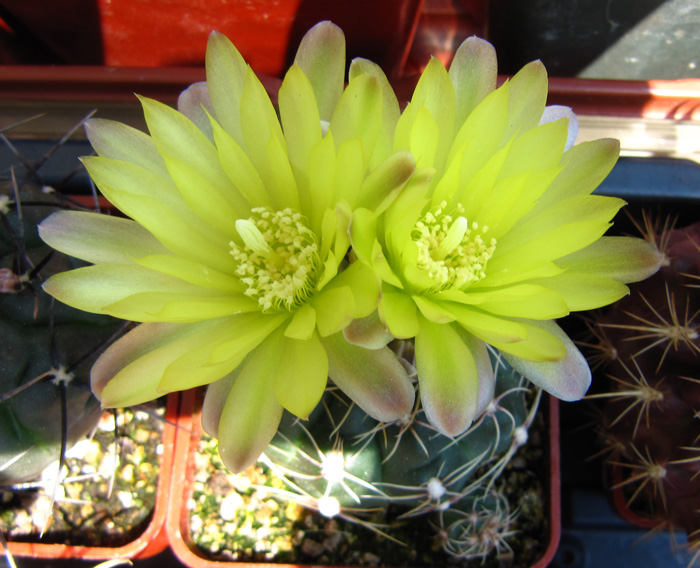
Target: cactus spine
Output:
[
  {"x": 344, "y": 465},
  {"x": 649, "y": 344},
  {"x": 46, "y": 348}
]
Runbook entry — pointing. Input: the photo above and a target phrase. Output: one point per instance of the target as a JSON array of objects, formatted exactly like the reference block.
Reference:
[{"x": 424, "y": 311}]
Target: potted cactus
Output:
[
  {"x": 415, "y": 257},
  {"x": 342, "y": 488},
  {"x": 648, "y": 345},
  {"x": 49, "y": 420}
]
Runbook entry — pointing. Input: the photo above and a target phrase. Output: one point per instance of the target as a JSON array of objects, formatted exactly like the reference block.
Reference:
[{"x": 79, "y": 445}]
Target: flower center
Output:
[
  {"x": 279, "y": 261},
  {"x": 452, "y": 251}
]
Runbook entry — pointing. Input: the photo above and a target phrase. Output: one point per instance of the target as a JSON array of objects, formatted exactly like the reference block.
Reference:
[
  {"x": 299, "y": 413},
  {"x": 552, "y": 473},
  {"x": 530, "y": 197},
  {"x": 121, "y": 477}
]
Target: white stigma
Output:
[
  {"x": 453, "y": 238},
  {"x": 252, "y": 237}
]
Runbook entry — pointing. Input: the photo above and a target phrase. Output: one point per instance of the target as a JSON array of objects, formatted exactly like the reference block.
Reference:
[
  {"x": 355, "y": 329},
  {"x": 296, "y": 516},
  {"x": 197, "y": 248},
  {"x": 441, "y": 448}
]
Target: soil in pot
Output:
[{"x": 106, "y": 493}]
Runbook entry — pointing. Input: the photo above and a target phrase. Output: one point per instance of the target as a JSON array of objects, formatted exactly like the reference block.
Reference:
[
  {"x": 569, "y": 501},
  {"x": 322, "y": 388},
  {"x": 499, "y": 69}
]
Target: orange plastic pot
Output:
[
  {"x": 189, "y": 432},
  {"x": 173, "y": 33},
  {"x": 150, "y": 541}
]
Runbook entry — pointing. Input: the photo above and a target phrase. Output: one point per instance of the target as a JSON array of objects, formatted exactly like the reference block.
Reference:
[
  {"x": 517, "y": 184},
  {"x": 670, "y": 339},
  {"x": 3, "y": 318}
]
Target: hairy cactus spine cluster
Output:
[{"x": 649, "y": 346}]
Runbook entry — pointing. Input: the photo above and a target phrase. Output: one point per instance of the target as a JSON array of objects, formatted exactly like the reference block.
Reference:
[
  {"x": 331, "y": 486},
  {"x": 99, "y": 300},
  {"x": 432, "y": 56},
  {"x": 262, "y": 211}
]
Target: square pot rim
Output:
[
  {"x": 152, "y": 539},
  {"x": 188, "y": 434}
]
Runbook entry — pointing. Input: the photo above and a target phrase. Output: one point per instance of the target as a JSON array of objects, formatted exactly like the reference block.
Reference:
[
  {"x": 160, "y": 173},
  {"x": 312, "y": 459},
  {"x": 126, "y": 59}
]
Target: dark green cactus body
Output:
[
  {"x": 342, "y": 462},
  {"x": 39, "y": 339}
]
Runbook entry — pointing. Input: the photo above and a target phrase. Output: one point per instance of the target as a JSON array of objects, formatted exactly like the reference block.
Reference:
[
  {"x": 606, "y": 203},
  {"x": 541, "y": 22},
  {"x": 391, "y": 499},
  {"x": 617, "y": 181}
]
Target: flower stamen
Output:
[
  {"x": 452, "y": 251},
  {"x": 279, "y": 261}
]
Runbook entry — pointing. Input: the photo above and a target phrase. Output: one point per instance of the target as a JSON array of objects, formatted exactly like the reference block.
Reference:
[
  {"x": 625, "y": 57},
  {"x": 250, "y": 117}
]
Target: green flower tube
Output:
[
  {"x": 234, "y": 257},
  {"x": 496, "y": 235}
]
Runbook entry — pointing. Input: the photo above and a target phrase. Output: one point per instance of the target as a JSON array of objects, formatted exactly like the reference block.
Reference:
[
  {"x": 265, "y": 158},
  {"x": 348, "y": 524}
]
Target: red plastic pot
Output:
[
  {"x": 170, "y": 33},
  {"x": 152, "y": 539},
  {"x": 188, "y": 435}
]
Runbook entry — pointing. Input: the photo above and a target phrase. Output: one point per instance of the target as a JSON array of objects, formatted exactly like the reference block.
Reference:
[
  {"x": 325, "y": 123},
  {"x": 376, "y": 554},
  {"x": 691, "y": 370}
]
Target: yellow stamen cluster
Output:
[
  {"x": 451, "y": 250},
  {"x": 279, "y": 260}
]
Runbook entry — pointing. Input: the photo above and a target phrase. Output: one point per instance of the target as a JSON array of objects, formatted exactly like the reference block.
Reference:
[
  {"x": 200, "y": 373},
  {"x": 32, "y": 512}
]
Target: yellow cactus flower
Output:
[
  {"x": 234, "y": 256},
  {"x": 496, "y": 235}
]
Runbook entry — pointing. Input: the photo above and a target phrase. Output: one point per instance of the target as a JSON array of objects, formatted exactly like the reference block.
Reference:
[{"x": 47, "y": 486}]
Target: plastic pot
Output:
[{"x": 188, "y": 436}]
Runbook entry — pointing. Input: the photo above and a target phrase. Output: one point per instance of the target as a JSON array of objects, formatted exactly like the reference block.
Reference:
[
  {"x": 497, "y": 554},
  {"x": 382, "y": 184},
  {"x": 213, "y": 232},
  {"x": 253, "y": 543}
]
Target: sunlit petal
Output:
[
  {"x": 375, "y": 380},
  {"x": 96, "y": 238},
  {"x": 448, "y": 378},
  {"x": 567, "y": 379}
]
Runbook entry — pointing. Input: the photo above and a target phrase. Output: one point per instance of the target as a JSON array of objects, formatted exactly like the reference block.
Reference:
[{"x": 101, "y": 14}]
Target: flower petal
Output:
[
  {"x": 436, "y": 94},
  {"x": 567, "y": 379},
  {"x": 112, "y": 139},
  {"x": 195, "y": 103},
  {"x": 482, "y": 134},
  {"x": 226, "y": 74},
  {"x": 129, "y": 371},
  {"x": 374, "y": 379},
  {"x": 585, "y": 166},
  {"x": 265, "y": 144},
  {"x": 399, "y": 312},
  {"x": 625, "y": 259},
  {"x": 251, "y": 413},
  {"x": 485, "y": 370},
  {"x": 239, "y": 168},
  {"x": 566, "y": 227},
  {"x": 302, "y": 374},
  {"x": 206, "y": 362},
  {"x": 301, "y": 124},
  {"x": 584, "y": 291},
  {"x": 97, "y": 238},
  {"x": 487, "y": 327},
  {"x": 538, "y": 344},
  {"x": 448, "y": 377},
  {"x": 334, "y": 307},
  {"x": 381, "y": 186},
  {"x": 432, "y": 311},
  {"x": 401, "y": 217},
  {"x": 279, "y": 178},
  {"x": 553, "y": 113},
  {"x": 192, "y": 272},
  {"x": 363, "y": 231},
  {"x": 156, "y": 204},
  {"x": 527, "y": 95},
  {"x": 205, "y": 199},
  {"x": 322, "y": 168},
  {"x": 182, "y": 142},
  {"x": 526, "y": 301},
  {"x": 364, "y": 285},
  {"x": 350, "y": 171},
  {"x": 321, "y": 55},
  {"x": 358, "y": 114},
  {"x": 131, "y": 292},
  {"x": 473, "y": 73},
  {"x": 390, "y": 108},
  {"x": 303, "y": 323},
  {"x": 369, "y": 332}
]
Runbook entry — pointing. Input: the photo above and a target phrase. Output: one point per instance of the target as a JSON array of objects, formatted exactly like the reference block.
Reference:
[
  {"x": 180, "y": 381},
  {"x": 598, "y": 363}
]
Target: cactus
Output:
[
  {"x": 102, "y": 490},
  {"x": 649, "y": 344},
  {"x": 346, "y": 466},
  {"x": 47, "y": 348}
]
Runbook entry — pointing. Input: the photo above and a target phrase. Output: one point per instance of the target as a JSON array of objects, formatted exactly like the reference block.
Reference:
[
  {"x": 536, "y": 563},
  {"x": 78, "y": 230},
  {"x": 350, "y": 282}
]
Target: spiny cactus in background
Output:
[
  {"x": 343, "y": 463},
  {"x": 47, "y": 348},
  {"x": 649, "y": 345}
]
